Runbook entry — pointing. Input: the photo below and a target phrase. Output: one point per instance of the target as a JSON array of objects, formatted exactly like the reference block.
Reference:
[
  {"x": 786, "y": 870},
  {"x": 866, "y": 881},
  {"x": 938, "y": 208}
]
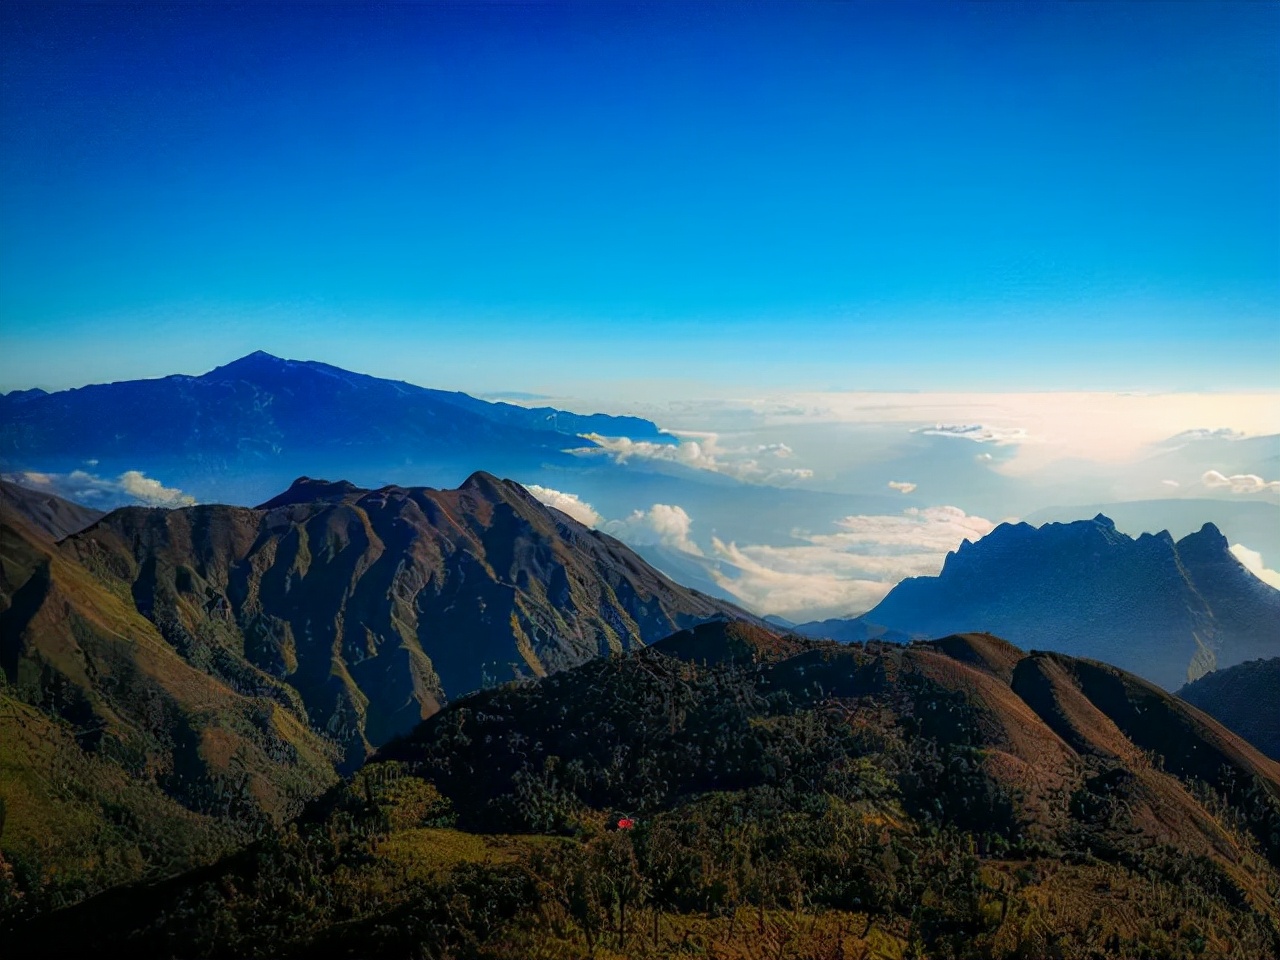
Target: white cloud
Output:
[
  {"x": 569, "y": 503},
  {"x": 1251, "y": 560},
  {"x": 1171, "y": 483},
  {"x": 901, "y": 486},
  {"x": 848, "y": 571},
  {"x": 132, "y": 486},
  {"x": 1240, "y": 482},
  {"x": 152, "y": 492},
  {"x": 1202, "y": 433},
  {"x": 977, "y": 432},
  {"x": 775, "y": 449},
  {"x": 662, "y": 524},
  {"x": 702, "y": 451}
]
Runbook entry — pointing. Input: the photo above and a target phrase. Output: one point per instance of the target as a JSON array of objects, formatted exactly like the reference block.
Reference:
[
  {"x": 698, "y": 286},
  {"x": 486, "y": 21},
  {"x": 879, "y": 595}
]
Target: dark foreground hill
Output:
[
  {"x": 1244, "y": 698},
  {"x": 1167, "y": 611},
  {"x": 736, "y": 793},
  {"x": 228, "y": 661}
]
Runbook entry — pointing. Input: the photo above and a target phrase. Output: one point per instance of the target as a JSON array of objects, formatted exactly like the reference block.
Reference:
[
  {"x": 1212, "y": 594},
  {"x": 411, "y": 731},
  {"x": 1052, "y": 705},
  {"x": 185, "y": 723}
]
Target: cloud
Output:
[
  {"x": 775, "y": 449},
  {"x": 569, "y": 503},
  {"x": 1251, "y": 560},
  {"x": 147, "y": 490},
  {"x": 1240, "y": 482},
  {"x": 901, "y": 486},
  {"x": 976, "y": 432},
  {"x": 662, "y": 524},
  {"x": 702, "y": 451},
  {"x": 1171, "y": 483},
  {"x": 1201, "y": 433},
  {"x": 849, "y": 570},
  {"x": 132, "y": 486}
]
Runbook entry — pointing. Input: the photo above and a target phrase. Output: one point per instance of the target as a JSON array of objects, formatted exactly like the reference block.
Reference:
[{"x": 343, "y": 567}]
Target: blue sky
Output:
[{"x": 534, "y": 196}]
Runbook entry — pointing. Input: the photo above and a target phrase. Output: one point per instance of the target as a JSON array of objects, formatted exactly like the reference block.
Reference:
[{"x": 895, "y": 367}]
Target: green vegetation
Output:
[
  {"x": 73, "y": 823},
  {"x": 811, "y": 803}
]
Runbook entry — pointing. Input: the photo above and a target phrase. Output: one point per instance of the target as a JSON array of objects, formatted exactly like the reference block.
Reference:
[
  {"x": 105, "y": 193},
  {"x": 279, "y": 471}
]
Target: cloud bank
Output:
[
  {"x": 1251, "y": 560},
  {"x": 848, "y": 571},
  {"x": 662, "y": 524},
  {"x": 132, "y": 486},
  {"x": 569, "y": 503},
  {"x": 977, "y": 432},
  {"x": 702, "y": 451},
  {"x": 839, "y": 573},
  {"x": 1245, "y": 483}
]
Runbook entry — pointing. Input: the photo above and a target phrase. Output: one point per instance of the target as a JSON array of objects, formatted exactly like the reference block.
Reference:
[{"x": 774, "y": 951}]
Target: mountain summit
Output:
[
  {"x": 244, "y": 429},
  {"x": 362, "y": 611},
  {"x": 1164, "y": 610}
]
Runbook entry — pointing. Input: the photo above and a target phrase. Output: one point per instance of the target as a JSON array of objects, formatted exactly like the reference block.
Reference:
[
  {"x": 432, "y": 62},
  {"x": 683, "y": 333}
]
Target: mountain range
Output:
[
  {"x": 177, "y": 681},
  {"x": 1168, "y": 611},
  {"x": 249, "y": 427},
  {"x": 359, "y": 612}
]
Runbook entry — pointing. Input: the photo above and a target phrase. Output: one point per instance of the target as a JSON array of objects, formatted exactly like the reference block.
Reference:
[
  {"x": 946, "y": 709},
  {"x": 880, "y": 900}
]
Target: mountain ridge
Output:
[
  {"x": 254, "y": 423},
  {"x": 1167, "y": 610},
  {"x": 729, "y": 786}
]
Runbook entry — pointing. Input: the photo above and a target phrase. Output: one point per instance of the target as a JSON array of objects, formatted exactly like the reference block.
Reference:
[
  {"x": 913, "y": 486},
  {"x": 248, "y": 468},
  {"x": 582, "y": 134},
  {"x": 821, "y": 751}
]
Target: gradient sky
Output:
[{"x": 538, "y": 196}]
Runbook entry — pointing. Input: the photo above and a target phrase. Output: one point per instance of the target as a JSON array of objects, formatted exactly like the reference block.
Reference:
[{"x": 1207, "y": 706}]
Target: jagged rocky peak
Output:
[{"x": 1168, "y": 611}]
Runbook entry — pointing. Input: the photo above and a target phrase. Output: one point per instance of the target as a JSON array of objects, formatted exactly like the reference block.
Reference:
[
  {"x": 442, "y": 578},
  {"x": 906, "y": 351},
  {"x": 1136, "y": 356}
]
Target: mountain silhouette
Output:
[
  {"x": 1166, "y": 611},
  {"x": 250, "y": 426}
]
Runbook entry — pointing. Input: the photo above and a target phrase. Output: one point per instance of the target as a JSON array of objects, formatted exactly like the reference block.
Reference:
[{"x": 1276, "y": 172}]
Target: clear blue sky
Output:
[{"x": 527, "y": 196}]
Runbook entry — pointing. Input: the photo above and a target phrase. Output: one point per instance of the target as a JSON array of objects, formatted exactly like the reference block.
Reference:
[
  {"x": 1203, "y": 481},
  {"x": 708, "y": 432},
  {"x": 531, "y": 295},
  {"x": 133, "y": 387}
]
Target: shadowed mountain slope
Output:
[
  {"x": 1244, "y": 698},
  {"x": 365, "y": 610},
  {"x": 1164, "y": 610},
  {"x": 729, "y": 787},
  {"x": 44, "y": 513}
]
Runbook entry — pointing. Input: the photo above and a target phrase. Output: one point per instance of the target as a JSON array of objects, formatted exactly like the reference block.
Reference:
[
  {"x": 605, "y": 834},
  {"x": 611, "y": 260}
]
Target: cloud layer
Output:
[
  {"x": 845, "y": 571},
  {"x": 977, "y": 432},
  {"x": 662, "y": 524},
  {"x": 1251, "y": 560},
  {"x": 132, "y": 486},
  {"x": 569, "y": 503},
  {"x": 1239, "y": 483},
  {"x": 850, "y": 570},
  {"x": 703, "y": 451}
]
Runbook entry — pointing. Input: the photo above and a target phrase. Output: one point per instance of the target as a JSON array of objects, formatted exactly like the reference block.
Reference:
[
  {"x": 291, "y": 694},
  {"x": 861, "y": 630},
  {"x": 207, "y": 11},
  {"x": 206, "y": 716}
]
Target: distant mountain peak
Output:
[
  {"x": 257, "y": 361},
  {"x": 1168, "y": 610},
  {"x": 307, "y": 490}
]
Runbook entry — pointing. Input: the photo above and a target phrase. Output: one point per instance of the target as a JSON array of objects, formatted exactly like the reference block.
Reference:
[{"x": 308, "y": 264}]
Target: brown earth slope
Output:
[
  {"x": 362, "y": 612},
  {"x": 771, "y": 796}
]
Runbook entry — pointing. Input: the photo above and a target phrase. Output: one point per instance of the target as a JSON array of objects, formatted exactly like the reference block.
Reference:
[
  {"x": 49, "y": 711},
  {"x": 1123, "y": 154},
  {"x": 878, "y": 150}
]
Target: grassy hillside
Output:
[
  {"x": 73, "y": 823},
  {"x": 780, "y": 799}
]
